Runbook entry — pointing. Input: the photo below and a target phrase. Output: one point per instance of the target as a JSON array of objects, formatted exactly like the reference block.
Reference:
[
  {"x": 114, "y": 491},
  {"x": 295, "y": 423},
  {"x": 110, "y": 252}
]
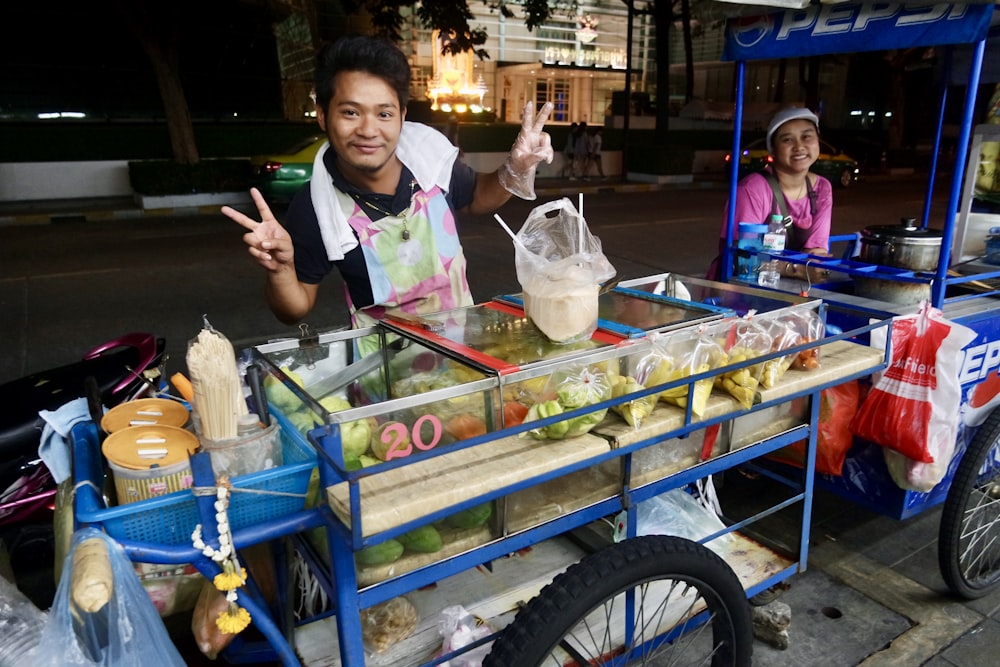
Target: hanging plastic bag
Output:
[
  {"x": 560, "y": 266},
  {"x": 743, "y": 339},
  {"x": 837, "y": 407},
  {"x": 788, "y": 331},
  {"x": 101, "y": 614},
  {"x": 569, "y": 389},
  {"x": 678, "y": 355},
  {"x": 913, "y": 408}
]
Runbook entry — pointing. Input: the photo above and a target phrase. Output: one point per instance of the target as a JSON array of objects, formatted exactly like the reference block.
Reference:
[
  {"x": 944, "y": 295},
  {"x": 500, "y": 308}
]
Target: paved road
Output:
[{"x": 67, "y": 286}]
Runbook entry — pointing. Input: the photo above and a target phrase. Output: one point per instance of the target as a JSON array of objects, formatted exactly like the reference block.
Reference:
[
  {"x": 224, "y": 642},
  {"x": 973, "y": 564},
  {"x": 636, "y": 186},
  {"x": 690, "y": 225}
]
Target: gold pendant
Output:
[{"x": 406, "y": 234}]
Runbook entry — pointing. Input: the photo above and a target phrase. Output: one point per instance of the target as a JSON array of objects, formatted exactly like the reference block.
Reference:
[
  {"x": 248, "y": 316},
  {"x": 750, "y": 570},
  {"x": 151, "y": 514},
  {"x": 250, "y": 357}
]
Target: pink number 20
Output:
[{"x": 395, "y": 435}]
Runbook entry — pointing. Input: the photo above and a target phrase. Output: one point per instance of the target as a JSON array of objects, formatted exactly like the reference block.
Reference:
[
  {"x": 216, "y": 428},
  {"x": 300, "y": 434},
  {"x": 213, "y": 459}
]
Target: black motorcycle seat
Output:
[{"x": 23, "y": 398}]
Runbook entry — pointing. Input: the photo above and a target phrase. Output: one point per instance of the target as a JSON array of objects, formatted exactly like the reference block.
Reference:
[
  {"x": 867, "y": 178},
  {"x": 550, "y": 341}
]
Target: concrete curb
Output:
[{"x": 102, "y": 211}]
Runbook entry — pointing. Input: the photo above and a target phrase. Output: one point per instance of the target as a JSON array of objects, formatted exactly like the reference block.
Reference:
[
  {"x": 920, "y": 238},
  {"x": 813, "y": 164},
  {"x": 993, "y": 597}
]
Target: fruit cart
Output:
[
  {"x": 961, "y": 282},
  {"x": 503, "y": 496},
  {"x": 538, "y": 487}
]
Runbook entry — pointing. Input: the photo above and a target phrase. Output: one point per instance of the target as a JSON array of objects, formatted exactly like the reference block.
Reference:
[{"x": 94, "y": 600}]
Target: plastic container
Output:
[
  {"x": 149, "y": 461},
  {"x": 774, "y": 241},
  {"x": 254, "y": 449},
  {"x": 993, "y": 246},
  {"x": 751, "y": 238},
  {"x": 145, "y": 412},
  {"x": 169, "y": 520}
]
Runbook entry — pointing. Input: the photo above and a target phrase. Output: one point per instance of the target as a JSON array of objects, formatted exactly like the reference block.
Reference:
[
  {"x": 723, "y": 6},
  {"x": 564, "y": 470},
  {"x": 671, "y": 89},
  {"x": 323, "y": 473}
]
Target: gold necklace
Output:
[
  {"x": 401, "y": 215},
  {"x": 801, "y": 191}
]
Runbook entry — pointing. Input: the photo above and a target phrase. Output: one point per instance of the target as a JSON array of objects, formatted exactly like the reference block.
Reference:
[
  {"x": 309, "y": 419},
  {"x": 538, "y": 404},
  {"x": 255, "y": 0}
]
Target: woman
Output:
[{"x": 788, "y": 188}]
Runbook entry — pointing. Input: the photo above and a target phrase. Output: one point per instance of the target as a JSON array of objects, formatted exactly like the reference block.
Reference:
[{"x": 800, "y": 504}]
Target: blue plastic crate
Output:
[{"x": 170, "y": 519}]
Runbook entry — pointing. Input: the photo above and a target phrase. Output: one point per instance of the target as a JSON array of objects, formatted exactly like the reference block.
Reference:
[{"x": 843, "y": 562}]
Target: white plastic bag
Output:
[
  {"x": 458, "y": 629},
  {"x": 679, "y": 513},
  {"x": 560, "y": 266}
]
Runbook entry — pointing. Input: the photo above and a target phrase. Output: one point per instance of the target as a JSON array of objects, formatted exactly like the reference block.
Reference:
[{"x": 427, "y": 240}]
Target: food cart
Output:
[
  {"x": 502, "y": 501},
  {"x": 960, "y": 282}
]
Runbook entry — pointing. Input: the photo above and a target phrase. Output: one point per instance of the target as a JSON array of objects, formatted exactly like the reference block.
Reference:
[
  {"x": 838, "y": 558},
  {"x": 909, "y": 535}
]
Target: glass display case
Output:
[{"x": 980, "y": 209}]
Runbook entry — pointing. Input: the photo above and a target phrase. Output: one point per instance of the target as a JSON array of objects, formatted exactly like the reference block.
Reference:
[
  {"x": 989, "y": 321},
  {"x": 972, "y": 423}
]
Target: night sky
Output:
[{"x": 59, "y": 55}]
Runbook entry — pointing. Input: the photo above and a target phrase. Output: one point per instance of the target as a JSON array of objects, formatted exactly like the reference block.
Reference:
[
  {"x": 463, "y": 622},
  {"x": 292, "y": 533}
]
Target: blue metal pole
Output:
[
  {"x": 734, "y": 171},
  {"x": 961, "y": 153},
  {"x": 925, "y": 219}
]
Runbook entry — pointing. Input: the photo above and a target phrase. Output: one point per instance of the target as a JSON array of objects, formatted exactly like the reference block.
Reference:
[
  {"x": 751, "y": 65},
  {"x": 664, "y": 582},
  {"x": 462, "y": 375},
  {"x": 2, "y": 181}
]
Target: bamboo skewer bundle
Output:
[{"x": 218, "y": 395}]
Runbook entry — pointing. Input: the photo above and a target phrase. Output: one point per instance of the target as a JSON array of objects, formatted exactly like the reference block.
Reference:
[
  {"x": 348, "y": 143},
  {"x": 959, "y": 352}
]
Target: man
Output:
[{"x": 381, "y": 204}]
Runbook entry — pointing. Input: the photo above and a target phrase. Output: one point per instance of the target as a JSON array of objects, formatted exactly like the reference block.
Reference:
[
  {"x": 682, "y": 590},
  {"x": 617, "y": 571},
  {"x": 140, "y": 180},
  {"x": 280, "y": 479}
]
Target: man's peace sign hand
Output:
[{"x": 267, "y": 241}]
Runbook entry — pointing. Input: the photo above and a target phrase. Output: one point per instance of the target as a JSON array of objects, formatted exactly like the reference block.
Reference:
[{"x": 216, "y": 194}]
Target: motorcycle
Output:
[{"x": 114, "y": 372}]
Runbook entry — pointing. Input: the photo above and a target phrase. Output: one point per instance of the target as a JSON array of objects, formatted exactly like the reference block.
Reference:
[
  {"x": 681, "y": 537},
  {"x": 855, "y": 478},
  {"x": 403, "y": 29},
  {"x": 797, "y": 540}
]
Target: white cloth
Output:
[
  {"x": 423, "y": 150},
  {"x": 55, "y": 448}
]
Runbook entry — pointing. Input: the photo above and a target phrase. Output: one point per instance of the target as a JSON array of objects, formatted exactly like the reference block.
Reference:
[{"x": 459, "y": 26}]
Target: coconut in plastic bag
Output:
[{"x": 561, "y": 267}]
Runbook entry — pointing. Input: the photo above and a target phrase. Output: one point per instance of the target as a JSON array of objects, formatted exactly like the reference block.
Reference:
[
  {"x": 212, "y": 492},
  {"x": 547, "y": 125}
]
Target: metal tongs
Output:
[{"x": 345, "y": 376}]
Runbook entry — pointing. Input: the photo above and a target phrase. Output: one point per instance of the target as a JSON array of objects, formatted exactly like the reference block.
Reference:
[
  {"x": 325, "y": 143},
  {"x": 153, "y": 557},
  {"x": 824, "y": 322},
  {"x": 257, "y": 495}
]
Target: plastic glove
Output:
[{"x": 517, "y": 173}]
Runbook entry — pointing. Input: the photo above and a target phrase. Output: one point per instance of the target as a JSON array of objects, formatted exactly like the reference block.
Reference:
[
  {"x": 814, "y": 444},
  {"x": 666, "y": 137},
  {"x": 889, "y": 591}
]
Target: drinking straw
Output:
[{"x": 510, "y": 233}]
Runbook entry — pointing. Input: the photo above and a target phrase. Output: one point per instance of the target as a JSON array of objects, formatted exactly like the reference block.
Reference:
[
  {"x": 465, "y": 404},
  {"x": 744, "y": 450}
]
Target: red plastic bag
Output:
[
  {"x": 913, "y": 408},
  {"x": 833, "y": 437}
]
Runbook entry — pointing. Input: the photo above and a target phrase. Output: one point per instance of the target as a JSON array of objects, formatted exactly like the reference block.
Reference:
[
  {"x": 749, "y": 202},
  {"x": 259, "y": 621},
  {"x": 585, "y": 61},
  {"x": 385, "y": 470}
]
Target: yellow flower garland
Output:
[{"x": 235, "y": 618}]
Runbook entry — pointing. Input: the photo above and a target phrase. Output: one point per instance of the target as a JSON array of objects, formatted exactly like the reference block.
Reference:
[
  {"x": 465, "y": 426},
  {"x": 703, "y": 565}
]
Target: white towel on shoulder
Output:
[{"x": 423, "y": 150}]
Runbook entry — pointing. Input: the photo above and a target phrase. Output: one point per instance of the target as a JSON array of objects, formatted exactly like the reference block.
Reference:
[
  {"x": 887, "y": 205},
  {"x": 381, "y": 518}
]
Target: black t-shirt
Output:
[{"x": 311, "y": 262}]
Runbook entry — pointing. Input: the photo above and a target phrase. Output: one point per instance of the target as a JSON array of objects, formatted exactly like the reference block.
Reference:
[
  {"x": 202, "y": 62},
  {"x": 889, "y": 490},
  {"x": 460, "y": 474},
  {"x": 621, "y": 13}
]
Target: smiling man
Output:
[{"x": 382, "y": 200}]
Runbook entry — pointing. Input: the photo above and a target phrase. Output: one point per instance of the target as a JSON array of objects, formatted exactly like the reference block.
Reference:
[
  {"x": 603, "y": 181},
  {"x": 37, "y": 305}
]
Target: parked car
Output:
[
  {"x": 838, "y": 167},
  {"x": 279, "y": 176}
]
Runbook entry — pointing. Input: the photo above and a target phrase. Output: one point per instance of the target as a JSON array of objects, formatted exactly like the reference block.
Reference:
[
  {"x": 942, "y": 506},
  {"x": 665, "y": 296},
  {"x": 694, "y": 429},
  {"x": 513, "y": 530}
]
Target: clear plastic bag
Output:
[
  {"x": 678, "y": 355},
  {"x": 809, "y": 326},
  {"x": 458, "y": 629},
  {"x": 678, "y": 513},
  {"x": 386, "y": 624},
  {"x": 21, "y": 624},
  {"x": 569, "y": 389},
  {"x": 560, "y": 266},
  {"x": 124, "y": 632},
  {"x": 743, "y": 339}
]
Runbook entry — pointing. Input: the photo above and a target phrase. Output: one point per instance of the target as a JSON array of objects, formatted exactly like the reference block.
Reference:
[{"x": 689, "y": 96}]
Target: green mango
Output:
[
  {"x": 425, "y": 539},
  {"x": 470, "y": 518},
  {"x": 380, "y": 554}
]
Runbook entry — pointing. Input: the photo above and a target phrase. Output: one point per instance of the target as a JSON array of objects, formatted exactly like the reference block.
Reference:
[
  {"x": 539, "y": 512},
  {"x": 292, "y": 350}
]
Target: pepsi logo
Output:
[{"x": 749, "y": 30}]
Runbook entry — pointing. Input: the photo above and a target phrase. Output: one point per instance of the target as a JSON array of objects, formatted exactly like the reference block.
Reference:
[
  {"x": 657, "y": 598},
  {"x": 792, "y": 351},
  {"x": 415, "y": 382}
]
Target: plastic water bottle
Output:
[{"x": 774, "y": 241}]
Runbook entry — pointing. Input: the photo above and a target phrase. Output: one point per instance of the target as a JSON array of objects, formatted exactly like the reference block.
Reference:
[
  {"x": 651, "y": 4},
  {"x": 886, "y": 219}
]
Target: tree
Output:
[{"x": 156, "y": 26}]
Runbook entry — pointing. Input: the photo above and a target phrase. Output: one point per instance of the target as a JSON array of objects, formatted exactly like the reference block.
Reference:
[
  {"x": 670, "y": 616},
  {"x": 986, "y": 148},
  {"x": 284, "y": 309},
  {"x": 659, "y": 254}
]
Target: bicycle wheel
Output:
[
  {"x": 652, "y": 600},
  {"x": 969, "y": 543}
]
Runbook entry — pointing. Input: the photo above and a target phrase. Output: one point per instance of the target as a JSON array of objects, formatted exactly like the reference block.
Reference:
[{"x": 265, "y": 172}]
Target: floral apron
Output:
[{"x": 424, "y": 274}]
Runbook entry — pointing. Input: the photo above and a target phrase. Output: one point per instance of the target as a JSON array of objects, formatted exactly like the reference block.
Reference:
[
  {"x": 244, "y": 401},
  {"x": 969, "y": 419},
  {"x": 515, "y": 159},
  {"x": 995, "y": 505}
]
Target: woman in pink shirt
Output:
[{"x": 793, "y": 142}]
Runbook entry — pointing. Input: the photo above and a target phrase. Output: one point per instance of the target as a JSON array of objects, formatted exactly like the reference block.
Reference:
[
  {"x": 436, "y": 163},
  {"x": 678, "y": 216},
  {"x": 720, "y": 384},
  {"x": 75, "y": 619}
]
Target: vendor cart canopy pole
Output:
[
  {"x": 937, "y": 140},
  {"x": 734, "y": 168},
  {"x": 961, "y": 154}
]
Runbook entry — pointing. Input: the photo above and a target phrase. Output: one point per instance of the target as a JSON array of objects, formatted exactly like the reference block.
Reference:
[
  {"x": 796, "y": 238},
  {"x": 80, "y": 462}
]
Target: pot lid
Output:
[
  {"x": 145, "y": 447},
  {"x": 144, "y": 412},
  {"x": 908, "y": 232}
]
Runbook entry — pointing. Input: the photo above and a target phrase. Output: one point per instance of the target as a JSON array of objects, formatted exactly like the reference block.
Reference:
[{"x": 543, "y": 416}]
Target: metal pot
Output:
[
  {"x": 904, "y": 246},
  {"x": 891, "y": 291}
]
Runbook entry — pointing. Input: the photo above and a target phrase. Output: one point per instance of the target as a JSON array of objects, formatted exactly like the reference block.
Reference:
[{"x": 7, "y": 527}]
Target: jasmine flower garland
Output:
[{"x": 235, "y": 618}]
